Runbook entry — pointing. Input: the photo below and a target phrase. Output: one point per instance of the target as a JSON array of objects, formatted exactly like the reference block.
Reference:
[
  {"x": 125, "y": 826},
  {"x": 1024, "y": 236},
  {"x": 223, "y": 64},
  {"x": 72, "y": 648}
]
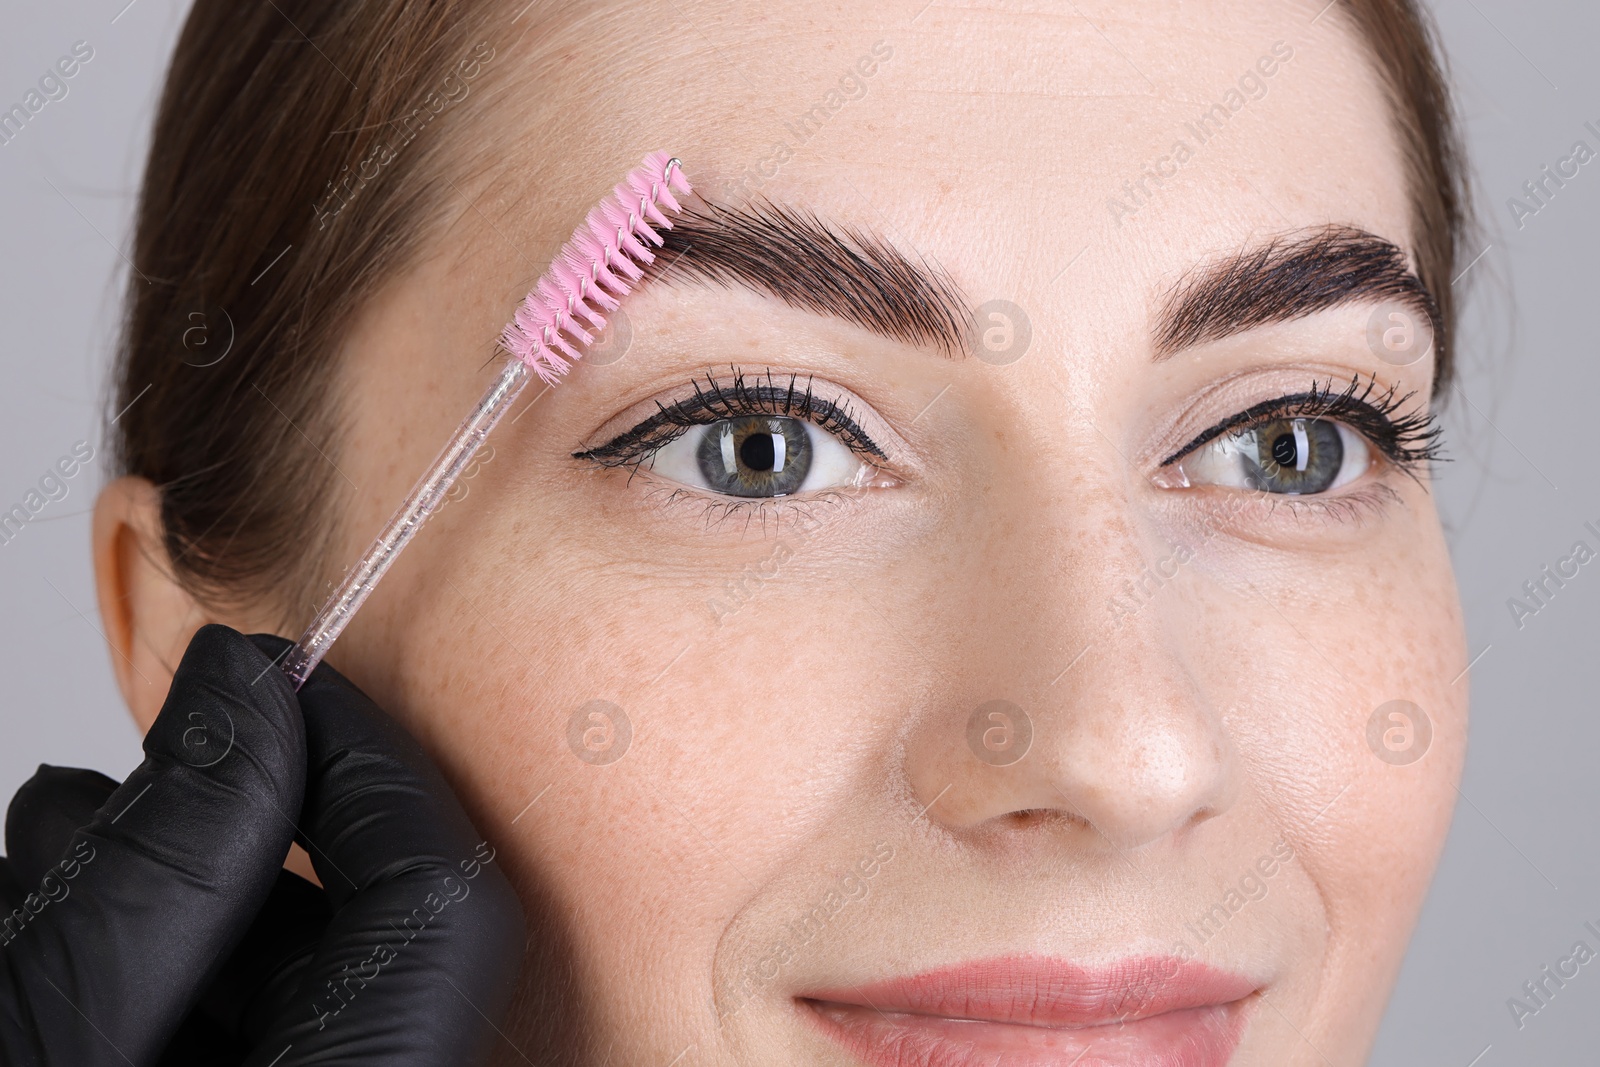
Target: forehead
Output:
[{"x": 1044, "y": 152}]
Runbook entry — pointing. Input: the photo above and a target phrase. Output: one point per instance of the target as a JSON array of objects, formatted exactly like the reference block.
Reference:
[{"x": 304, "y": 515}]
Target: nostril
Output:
[{"x": 1028, "y": 818}]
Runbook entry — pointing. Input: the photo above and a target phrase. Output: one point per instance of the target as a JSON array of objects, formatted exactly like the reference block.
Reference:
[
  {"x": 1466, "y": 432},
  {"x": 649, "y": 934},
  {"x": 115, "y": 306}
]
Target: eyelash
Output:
[
  {"x": 715, "y": 401},
  {"x": 1409, "y": 441}
]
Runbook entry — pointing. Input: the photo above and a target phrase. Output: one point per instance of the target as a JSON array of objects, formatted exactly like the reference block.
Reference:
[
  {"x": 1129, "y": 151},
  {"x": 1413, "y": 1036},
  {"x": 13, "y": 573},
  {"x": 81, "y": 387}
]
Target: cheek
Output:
[
  {"x": 1340, "y": 676},
  {"x": 725, "y": 727}
]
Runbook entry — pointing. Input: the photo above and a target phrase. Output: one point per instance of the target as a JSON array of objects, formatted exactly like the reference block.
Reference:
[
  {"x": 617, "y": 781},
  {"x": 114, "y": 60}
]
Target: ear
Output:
[{"x": 149, "y": 617}]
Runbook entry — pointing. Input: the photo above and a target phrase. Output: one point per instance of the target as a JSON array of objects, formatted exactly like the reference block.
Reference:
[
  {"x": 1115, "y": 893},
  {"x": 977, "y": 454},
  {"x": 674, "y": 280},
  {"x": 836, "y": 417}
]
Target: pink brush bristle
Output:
[{"x": 598, "y": 266}]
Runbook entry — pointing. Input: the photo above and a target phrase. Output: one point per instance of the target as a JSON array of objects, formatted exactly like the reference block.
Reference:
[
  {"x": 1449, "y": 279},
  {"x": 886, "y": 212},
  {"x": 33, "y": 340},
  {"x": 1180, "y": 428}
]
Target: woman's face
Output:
[{"x": 999, "y": 737}]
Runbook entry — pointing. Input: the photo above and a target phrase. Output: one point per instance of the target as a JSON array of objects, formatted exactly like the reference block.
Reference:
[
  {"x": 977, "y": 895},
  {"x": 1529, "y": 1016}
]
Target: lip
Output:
[{"x": 1037, "y": 1011}]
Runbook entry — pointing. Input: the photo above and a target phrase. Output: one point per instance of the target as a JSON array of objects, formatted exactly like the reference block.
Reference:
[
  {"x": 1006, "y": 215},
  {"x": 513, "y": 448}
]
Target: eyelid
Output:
[{"x": 1292, "y": 405}]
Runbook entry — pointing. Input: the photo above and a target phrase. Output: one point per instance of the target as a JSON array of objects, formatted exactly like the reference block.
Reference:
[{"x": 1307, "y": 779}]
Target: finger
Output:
[
  {"x": 259, "y": 979},
  {"x": 256, "y": 980},
  {"x": 155, "y": 891},
  {"x": 46, "y": 812},
  {"x": 420, "y": 959}
]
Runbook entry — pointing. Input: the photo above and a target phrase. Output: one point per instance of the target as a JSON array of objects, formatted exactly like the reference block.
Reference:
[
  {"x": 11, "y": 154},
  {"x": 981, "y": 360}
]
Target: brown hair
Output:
[
  {"x": 1404, "y": 46},
  {"x": 292, "y": 172}
]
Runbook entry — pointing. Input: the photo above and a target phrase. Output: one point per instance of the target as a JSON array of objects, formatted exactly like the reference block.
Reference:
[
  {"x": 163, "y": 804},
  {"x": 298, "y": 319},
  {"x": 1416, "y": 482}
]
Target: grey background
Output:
[{"x": 1520, "y": 873}]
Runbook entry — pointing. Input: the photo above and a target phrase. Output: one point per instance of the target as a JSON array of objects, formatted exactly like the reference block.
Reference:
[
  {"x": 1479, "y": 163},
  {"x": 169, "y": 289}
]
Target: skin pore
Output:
[{"x": 786, "y": 738}]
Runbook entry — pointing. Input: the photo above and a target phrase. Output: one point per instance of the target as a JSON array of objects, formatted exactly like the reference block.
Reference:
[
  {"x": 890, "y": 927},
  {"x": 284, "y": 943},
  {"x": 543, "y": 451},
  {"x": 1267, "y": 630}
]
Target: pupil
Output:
[
  {"x": 1283, "y": 450},
  {"x": 758, "y": 453}
]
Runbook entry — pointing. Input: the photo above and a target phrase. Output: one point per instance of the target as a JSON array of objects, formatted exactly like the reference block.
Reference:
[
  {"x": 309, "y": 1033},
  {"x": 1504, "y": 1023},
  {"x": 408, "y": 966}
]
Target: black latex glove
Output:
[{"x": 151, "y": 923}]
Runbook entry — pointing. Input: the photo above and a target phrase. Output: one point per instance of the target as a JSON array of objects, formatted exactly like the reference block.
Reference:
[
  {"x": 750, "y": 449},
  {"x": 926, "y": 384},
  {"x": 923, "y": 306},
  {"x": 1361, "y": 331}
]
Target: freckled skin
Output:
[{"x": 1171, "y": 746}]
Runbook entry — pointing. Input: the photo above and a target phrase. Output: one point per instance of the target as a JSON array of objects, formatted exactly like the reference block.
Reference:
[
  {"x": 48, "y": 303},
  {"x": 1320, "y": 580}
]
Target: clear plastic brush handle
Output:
[{"x": 424, "y": 500}]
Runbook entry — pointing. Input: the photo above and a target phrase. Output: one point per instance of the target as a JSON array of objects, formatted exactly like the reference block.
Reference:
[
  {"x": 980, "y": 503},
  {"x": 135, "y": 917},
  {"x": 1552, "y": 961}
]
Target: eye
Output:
[
  {"x": 758, "y": 437},
  {"x": 758, "y": 456},
  {"x": 1305, "y": 444},
  {"x": 1289, "y": 456}
]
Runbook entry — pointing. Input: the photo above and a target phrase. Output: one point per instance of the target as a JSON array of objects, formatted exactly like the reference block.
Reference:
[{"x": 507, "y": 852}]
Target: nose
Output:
[{"x": 1070, "y": 715}]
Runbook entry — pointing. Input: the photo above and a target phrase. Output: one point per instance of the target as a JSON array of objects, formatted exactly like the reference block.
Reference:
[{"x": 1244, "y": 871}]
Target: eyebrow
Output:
[
  {"x": 1290, "y": 276},
  {"x": 855, "y": 275},
  {"x": 820, "y": 267}
]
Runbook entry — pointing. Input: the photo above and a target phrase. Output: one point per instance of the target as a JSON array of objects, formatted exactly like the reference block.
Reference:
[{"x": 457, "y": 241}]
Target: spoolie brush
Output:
[{"x": 599, "y": 265}]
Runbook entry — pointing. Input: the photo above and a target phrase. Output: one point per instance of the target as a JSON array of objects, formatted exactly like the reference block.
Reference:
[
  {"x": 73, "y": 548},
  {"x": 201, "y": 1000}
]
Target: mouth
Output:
[{"x": 1034, "y": 1011}]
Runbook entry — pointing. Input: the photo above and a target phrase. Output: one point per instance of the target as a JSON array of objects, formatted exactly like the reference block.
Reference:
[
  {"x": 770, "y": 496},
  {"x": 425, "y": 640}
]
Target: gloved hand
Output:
[{"x": 151, "y": 923}]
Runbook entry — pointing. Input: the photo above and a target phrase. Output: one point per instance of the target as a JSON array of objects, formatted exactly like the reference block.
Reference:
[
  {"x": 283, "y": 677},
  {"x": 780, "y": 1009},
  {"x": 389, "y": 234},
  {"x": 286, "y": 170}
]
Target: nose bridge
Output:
[{"x": 1078, "y": 698}]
